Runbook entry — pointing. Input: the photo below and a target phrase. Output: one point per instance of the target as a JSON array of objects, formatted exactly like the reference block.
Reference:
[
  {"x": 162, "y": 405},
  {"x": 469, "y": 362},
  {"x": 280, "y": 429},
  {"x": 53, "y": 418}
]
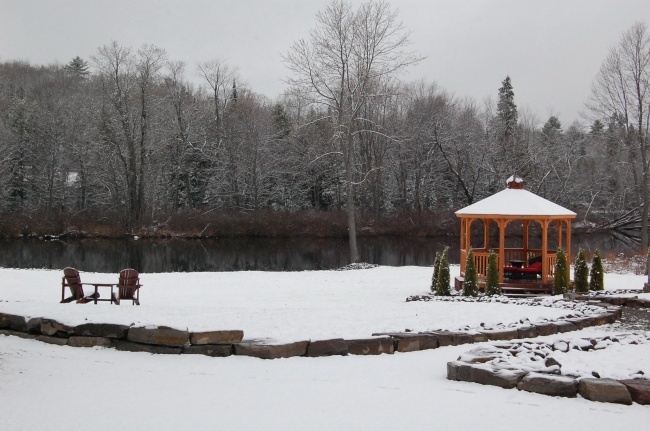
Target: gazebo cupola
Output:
[{"x": 515, "y": 203}]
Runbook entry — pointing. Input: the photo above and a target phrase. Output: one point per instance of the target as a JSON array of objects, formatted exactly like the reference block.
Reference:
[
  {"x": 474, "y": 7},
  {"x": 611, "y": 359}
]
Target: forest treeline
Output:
[{"x": 132, "y": 142}]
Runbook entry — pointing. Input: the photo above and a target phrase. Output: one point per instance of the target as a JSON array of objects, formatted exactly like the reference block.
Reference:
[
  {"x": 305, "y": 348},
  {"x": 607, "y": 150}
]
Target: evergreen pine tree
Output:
[
  {"x": 233, "y": 93},
  {"x": 443, "y": 280},
  {"x": 561, "y": 283},
  {"x": 492, "y": 283},
  {"x": 436, "y": 270},
  {"x": 581, "y": 273},
  {"x": 507, "y": 109},
  {"x": 470, "y": 284},
  {"x": 597, "y": 273},
  {"x": 77, "y": 67}
]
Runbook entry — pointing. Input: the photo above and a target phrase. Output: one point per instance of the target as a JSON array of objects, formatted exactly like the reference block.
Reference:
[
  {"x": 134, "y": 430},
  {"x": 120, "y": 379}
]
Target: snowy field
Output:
[{"x": 46, "y": 387}]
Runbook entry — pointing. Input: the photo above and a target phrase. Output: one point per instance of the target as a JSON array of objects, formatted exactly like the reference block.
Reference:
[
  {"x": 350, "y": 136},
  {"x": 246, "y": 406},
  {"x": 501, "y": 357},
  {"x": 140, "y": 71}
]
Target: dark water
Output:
[
  {"x": 241, "y": 254},
  {"x": 190, "y": 255}
]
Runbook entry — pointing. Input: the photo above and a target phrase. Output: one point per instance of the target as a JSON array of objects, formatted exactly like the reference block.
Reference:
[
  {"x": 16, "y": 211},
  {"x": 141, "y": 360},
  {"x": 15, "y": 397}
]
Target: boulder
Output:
[
  {"x": 34, "y": 325},
  {"x": 51, "y": 328},
  {"x": 272, "y": 351},
  {"x": 546, "y": 329},
  {"x": 482, "y": 354},
  {"x": 214, "y": 350},
  {"x": 370, "y": 346},
  {"x": 107, "y": 330},
  {"x": 337, "y": 346},
  {"x": 565, "y": 326},
  {"x": 158, "y": 335},
  {"x": 460, "y": 371},
  {"x": 217, "y": 337},
  {"x": 128, "y": 346},
  {"x": 410, "y": 342},
  {"x": 604, "y": 391},
  {"x": 52, "y": 340},
  {"x": 639, "y": 390},
  {"x": 527, "y": 332},
  {"x": 583, "y": 322},
  {"x": 501, "y": 334},
  {"x": 17, "y": 334},
  {"x": 478, "y": 337},
  {"x": 637, "y": 303},
  {"x": 486, "y": 375},
  {"x": 447, "y": 338},
  {"x": 548, "y": 384},
  {"x": 602, "y": 319},
  {"x": 13, "y": 322},
  {"x": 84, "y": 341}
]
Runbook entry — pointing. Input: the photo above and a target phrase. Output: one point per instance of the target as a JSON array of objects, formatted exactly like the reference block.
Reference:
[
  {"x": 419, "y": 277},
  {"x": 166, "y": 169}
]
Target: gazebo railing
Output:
[{"x": 511, "y": 254}]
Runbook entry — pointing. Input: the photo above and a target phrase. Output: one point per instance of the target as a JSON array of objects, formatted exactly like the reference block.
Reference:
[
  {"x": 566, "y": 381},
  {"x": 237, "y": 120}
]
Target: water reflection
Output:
[{"x": 241, "y": 254}]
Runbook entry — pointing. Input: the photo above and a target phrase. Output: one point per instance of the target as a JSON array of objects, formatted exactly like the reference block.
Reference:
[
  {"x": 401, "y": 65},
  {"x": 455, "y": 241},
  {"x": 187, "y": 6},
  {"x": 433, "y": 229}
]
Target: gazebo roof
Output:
[{"x": 513, "y": 202}]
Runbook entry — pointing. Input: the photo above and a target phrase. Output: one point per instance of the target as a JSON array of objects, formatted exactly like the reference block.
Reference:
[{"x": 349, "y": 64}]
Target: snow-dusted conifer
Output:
[
  {"x": 443, "y": 281},
  {"x": 561, "y": 282},
  {"x": 581, "y": 273},
  {"x": 436, "y": 270},
  {"x": 470, "y": 284},
  {"x": 597, "y": 273},
  {"x": 492, "y": 282}
]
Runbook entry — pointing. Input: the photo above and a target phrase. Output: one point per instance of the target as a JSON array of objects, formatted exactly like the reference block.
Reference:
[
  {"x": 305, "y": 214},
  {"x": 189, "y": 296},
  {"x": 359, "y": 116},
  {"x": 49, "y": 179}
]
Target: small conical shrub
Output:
[
  {"x": 581, "y": 273},
  {"x": 492, "y": 282},
  {"x": 470, "y": 284},
  {"x": 436, "y": 269},
  {"x": 443, "y": 281},
  {"x": 597, "y": 273},
  {"x": 561, "y": 282}
]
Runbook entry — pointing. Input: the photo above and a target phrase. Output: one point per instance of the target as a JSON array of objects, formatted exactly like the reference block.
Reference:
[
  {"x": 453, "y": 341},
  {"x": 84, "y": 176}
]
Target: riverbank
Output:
[{"x": 214, "y": 224}]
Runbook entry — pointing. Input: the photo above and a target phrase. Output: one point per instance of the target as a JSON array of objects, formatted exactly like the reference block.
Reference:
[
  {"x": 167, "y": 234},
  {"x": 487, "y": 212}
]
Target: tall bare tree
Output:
[
  {"x": 340, "y": 66},
  {"x": 622, "y": 87}
]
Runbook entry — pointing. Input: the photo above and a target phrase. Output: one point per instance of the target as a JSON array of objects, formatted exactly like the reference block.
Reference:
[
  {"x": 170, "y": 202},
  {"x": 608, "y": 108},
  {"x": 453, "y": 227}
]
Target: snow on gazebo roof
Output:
[{"x": 515, "y": 201}]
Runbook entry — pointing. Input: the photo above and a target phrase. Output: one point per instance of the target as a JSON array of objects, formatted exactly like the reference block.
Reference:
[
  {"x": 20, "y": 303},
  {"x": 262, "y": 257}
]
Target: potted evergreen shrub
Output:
[
  {"x": 597, "y": 273},
  {"x": 580, "y": 273},
  {"x": 470, "y": 284},
  {"x": 492, "y": 282},
  {"x": 561, "y": 282},
  {"x": 443, "y": 280}
]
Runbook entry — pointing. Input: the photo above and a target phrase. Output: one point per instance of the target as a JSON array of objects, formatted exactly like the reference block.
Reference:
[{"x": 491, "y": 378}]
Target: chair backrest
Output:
[
  {"x": 72, "y": 279},
  {"x": 129, "y": 280}
]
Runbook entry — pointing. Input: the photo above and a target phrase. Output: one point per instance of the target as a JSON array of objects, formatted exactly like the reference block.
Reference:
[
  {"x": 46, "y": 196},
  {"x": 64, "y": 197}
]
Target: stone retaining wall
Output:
[
  {"x": 530, "y": 367},
  {"x": 623, "y": 301},
  {"x": 165, "y": 340}
]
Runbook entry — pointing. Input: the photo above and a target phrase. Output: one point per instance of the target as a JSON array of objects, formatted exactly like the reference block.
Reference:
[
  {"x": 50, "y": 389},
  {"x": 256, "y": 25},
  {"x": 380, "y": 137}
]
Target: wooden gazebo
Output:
[{"x": 512, "y": 204}]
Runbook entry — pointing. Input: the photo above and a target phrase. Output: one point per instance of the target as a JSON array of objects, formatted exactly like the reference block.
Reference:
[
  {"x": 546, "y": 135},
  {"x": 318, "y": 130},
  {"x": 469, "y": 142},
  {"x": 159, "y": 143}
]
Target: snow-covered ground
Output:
[{"x": 46, "y": 387}]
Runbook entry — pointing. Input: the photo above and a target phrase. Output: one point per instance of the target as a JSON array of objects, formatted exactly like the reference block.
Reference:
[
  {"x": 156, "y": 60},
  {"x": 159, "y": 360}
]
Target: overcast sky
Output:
[{"x": 551, "y": 49}]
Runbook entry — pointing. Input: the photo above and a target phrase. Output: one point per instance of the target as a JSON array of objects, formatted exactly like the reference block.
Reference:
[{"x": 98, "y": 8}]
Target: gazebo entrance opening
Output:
[{"x": 524, "y": 229}]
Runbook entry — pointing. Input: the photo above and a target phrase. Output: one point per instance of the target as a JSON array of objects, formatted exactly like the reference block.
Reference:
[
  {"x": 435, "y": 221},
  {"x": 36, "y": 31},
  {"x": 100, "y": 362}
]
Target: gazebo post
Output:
[
  {"x": 544, "y": 250},
  {"x": 559, "y": 233},
  {"x": 568, "y": 250},
  {"x": 502, "y": 253},
  {"x": 486, "y": 232},
  {"x": 526, "y": 222}
]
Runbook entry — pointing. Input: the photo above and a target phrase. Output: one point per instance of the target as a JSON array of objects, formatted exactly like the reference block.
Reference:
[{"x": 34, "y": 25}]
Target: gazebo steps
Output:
[
  {"x": 514, "y": 288},
  {"x": 526, "y": 289}
]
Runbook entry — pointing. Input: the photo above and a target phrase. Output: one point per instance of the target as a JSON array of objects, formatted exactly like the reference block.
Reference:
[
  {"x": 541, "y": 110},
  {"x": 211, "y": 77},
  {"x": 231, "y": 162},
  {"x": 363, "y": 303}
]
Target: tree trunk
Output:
[{"x": 352, "y": 227}]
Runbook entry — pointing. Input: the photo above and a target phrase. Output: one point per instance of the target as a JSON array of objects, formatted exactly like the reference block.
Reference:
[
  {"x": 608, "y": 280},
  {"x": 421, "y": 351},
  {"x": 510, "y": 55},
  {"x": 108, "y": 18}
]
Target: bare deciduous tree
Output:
[
  {"x": 622, "y": 87},
  {"x": 348, "y": 54}
]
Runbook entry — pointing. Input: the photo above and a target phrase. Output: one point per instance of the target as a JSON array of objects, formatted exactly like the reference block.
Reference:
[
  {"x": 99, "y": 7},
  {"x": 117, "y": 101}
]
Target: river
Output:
[{"x": 245, "y": 254}]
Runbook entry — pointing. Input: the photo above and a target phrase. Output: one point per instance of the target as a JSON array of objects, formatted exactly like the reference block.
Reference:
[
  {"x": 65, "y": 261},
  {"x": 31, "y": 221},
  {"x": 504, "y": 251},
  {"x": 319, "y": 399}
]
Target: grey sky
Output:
[{"x": 551, "y": 49}]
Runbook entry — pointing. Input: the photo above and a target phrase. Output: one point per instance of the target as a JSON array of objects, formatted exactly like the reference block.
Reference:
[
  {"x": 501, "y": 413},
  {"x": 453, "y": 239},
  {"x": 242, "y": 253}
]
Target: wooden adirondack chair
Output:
[
  {"x": 128, "y": 287},
  {"x": 72, "y": 280}
]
